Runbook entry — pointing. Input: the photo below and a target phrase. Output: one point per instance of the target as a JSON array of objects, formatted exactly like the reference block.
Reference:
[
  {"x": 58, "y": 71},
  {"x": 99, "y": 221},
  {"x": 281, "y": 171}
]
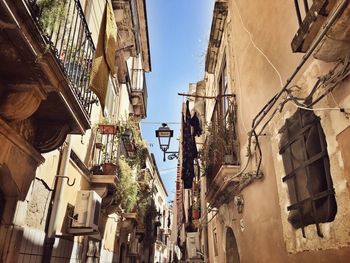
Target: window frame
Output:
[{"x": 292, "y": 177}]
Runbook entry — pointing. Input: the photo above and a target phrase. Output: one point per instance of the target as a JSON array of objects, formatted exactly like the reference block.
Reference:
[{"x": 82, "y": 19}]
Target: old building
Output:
[
  {"x": 162, "y": 249},
  {"x": 73, "y": 91},
  {"x": 273, "y": 105}
]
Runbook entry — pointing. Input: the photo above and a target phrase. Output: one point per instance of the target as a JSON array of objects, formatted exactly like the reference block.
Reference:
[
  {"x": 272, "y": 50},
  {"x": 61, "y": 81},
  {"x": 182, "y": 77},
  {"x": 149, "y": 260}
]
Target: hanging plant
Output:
[
  {"x": 127, "y": 188},
  {"x": 51, "y": 12}
]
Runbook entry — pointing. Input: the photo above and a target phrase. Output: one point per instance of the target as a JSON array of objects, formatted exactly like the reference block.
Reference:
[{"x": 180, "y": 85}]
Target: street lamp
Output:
[{"x": 164, "y": 135}]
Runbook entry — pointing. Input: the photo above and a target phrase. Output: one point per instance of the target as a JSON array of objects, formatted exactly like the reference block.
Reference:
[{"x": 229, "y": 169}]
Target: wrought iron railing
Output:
[
  {"x": 311, "y": 15},
  {"x": 108, "y": 147},
  {"x": 66, "y": 32},
  {"x": 138, "y": 84},
  {"x": 302, "y": 7},
  {"x": 221, "y": 146}
]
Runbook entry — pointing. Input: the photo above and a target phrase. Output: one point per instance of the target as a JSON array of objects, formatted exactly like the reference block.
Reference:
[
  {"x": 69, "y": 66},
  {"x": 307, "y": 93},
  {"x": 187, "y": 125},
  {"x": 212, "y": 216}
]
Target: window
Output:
[
  {"x": 224, "y": 121},
  {"x": 304, "y": 152},
  {"x": 223, "y": 90},
  {"x": 110, "y": 105}
]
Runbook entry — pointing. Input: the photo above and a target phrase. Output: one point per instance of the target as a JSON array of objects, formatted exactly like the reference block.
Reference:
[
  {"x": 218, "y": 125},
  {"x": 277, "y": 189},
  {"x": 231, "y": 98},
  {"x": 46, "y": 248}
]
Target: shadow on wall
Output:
[{"x": 31, "y": 248}]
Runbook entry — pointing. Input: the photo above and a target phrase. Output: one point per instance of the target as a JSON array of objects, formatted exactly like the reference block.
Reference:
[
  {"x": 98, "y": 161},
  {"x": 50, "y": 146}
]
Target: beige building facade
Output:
[
  {"x": 276, "y": 175},
  {"x": 54, "y": 146}
]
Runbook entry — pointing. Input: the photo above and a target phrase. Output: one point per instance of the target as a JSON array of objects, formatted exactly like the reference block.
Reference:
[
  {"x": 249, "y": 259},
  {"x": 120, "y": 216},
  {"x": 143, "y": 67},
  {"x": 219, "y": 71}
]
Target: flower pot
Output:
[
  {"x": 109, "y": 168},
  {"x": 195, "y": 214},
  {"x": 107, "y": 129}
]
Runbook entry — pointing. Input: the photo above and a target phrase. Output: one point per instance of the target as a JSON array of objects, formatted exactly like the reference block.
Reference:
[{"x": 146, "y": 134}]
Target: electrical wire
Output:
[
  {"x": 266, "y": 109},
  {"x": 320, "y": 109},
  {"x": 256, "y": 47},
  {"x": 159, "y": 122}
]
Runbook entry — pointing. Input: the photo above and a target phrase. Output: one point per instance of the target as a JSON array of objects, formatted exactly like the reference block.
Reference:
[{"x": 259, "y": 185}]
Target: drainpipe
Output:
[{"x": 55, "y": 201}]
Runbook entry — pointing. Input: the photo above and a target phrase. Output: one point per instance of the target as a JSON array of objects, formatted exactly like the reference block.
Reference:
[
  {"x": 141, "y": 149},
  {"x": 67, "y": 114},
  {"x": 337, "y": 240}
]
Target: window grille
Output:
[{"x": 304, "y": 152}]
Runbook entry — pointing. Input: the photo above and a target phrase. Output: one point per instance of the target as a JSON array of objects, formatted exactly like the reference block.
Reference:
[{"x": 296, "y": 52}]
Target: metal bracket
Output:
[
  {"x": 68, "y": 179},
  {"x": 172, "y": 155}
]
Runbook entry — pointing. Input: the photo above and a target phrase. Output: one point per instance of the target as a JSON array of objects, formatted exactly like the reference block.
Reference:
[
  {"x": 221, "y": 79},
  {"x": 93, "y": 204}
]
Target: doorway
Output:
[{"x": 232, "y": 255}]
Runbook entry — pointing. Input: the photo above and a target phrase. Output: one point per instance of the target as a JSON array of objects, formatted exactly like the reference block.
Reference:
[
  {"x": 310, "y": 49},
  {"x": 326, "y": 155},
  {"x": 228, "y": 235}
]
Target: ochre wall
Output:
[{"x": 262, "y": 231}]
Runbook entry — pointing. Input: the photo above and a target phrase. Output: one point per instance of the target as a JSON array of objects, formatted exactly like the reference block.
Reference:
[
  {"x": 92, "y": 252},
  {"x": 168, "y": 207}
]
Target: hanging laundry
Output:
[
  {"x": 189, "y": 149},
  {"x": 197, "y": 129}
]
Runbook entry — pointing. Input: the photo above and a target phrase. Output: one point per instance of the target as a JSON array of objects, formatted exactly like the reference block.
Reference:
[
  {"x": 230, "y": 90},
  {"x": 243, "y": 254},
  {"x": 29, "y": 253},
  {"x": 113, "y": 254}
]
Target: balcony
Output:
[
  {"x": 219, "y": 191},
  {"x": 221, "y": 158},
  {"x": 111, "y": 142},
  {"x": 107, "y": 150},
  {"x": 46, "y": 54},
  {"x": 131, "y": 19},
  {"x": 139, "y": 93},
  {"x": 144, "y": 179},
  {"x": 312, "y": 18},
  {"x": 216, "y": 33},
  {"x": 161, "y": 237}
]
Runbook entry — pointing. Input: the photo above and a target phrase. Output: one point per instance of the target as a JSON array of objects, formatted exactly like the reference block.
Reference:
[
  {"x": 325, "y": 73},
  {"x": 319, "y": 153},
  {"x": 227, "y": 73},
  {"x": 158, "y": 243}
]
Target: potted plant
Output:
[
  {"x": 49, "y": 13},
  {"x": 109, "y": 168},
  {"x": 105, "y": 128},
  {"x": 222, "y": 140},
  {"x": 110, "y": 156}
]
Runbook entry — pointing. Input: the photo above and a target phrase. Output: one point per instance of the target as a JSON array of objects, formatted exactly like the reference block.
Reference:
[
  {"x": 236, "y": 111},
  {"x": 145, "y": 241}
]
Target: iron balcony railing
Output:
[
  {"x": 311, "y": 14},
  {"x": 302, "y": 7},
  {"x": 138, "y": 85},
  {"x": 221, "y": 146},
  {"x": 66, "y": 32},
  {"x": 108, "y": 147}
]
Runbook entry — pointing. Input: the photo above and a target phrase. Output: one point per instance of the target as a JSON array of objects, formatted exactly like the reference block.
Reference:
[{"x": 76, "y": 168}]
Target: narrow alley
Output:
[{"x": 159, "y": 131}]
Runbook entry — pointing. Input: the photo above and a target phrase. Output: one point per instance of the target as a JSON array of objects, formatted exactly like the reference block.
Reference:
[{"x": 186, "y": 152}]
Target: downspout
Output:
[{"x": 55, "y": 201}]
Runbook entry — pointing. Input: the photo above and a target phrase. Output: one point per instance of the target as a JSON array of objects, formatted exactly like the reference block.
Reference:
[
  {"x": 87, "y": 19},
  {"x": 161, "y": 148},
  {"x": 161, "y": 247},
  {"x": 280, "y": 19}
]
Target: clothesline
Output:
[{"x": 207, "y": 97}]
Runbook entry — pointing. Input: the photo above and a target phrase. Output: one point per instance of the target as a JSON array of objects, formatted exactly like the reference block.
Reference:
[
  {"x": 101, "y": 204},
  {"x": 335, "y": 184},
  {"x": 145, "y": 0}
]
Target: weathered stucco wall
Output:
[
  {"x": 262, "y": 231},
  {"x": 336, "y": 233}
]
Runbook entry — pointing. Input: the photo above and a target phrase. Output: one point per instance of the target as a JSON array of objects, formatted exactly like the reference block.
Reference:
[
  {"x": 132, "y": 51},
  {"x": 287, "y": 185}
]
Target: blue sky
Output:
[{"x": 178, "y": 33}]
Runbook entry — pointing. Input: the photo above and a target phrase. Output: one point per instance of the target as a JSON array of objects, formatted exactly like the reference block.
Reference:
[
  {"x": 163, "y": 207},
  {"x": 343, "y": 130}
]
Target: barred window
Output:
[{"x": 304, "y": 152}]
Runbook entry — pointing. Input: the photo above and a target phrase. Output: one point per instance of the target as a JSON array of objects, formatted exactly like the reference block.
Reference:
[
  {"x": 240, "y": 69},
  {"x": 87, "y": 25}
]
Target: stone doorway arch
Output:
[{"x": 232, "y": 255}]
